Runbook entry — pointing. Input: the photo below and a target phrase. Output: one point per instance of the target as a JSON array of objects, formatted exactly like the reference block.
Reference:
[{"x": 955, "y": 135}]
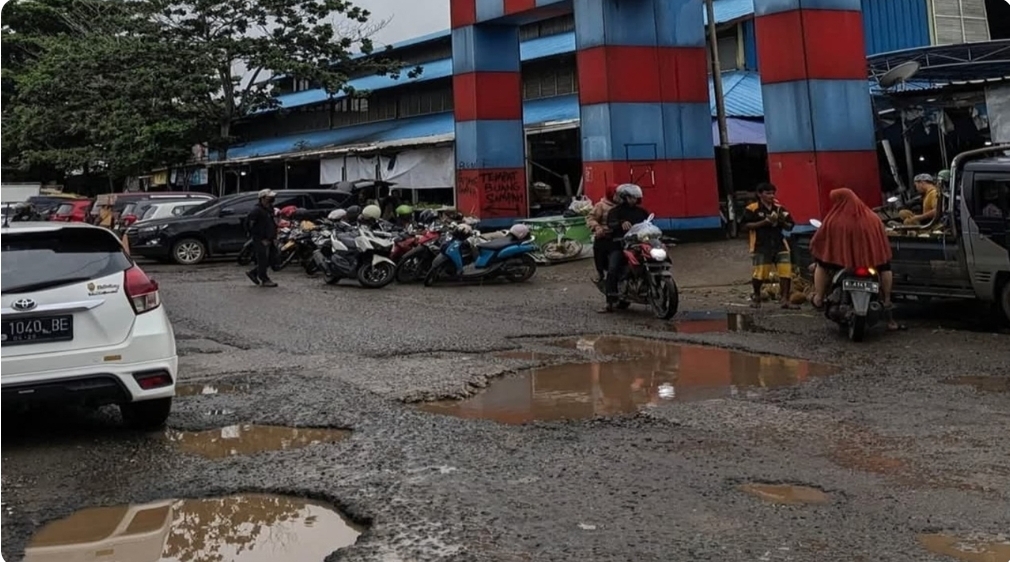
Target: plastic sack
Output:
[
  {"x": 581, "y": 205},
  {"x": 644, "y": 230}
]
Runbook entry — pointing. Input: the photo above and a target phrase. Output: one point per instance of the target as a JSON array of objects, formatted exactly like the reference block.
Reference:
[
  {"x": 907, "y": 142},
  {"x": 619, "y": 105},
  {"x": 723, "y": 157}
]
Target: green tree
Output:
[{"x": 241, "y": 44}]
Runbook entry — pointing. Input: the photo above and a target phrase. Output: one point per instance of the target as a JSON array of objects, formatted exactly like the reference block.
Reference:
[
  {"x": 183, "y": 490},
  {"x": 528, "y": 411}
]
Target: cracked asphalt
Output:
[{"x": 899, "y": 452}]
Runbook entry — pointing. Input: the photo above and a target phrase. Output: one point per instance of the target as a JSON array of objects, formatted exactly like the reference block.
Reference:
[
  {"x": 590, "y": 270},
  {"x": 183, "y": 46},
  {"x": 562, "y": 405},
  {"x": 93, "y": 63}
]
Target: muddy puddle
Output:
[
  {"x": 235, "y": 440},
  {"x": 969, "y": 548},
  {"x": 787, "y": 494},
  {"x": 646, "y": 372},
  {"x": 243, "y": 528},
  {"x": 709, "y": 322},
  {"x": 982, "y": 383},
  {"x": 207, "y": 389}
]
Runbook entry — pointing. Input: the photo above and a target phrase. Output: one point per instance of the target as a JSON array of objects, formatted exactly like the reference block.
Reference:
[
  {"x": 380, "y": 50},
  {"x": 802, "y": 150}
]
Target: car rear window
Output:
[
  {"x": 65, "y": 209},
  {"x": 33, "y": 261}
]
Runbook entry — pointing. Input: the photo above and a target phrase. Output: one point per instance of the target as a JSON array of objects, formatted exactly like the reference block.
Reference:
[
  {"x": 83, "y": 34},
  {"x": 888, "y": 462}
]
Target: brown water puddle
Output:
[
  {"x": 972, "y": 548},
  {"x": 788, "y": 494},
  {"x": 250, "y": 439},
  {"x": 702, "y": 323},
  {"x": 245, "y": 528},
  {"x": 521, "y": 355},
  {"x": 207, "y": 389},
  {"x": 982, "y": 383},
  {"x": 656, "y": 371}
]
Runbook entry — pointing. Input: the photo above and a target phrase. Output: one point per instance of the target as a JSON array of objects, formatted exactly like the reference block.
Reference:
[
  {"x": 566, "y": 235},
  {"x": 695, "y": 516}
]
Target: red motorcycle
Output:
[{"x": 414, "y": 254}]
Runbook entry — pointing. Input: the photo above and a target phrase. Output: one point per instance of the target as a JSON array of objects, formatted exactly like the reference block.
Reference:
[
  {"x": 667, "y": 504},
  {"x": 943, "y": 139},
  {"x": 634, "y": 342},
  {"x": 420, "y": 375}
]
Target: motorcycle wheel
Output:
[
  {"x": 435, "y": 274},
  {"x": 245, "y": 257},
  {"x": 283, "y": 260},
  {"x": 857, "y": 328},
  {"x": 413, "y": 266},
  {"x": 524, "y": 271},
  {"x": 331, "y": 278},
  {"x": 376, "y": 276},
  {"x": 665, "y": 299}
]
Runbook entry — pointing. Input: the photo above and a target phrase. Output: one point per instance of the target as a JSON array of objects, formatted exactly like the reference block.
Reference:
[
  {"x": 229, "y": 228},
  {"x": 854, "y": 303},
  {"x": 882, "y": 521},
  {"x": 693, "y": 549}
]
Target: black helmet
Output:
[
  {"x": 427, "y": 216},
  {"x": 352, "y": 213}
]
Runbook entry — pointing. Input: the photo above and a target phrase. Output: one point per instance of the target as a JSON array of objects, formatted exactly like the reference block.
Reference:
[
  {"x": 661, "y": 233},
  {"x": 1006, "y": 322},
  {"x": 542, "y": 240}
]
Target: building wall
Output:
[{"x": 893, "y": 25}]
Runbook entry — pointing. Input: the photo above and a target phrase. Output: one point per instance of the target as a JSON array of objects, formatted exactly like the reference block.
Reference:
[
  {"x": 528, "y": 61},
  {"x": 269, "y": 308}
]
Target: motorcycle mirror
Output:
[{"x": 815, "y": 223}]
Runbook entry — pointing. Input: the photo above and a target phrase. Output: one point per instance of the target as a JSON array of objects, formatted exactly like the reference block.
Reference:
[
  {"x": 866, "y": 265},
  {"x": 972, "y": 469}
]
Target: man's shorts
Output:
[{"x": 781, "y": 263}]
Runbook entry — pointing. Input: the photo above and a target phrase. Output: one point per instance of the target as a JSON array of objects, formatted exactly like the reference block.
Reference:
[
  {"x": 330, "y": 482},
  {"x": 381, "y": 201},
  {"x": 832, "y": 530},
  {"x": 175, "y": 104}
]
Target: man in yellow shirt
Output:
[{"x": 926, "y": 186}]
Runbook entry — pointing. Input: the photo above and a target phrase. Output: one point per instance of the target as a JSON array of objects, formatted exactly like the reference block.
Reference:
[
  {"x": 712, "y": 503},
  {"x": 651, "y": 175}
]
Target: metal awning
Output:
[{"x": 943, "y": 65}]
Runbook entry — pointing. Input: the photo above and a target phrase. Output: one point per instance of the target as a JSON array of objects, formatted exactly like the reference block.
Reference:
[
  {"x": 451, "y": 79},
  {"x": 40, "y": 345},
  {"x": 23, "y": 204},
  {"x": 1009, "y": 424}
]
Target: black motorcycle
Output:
[{"x": 647, "y": 277}]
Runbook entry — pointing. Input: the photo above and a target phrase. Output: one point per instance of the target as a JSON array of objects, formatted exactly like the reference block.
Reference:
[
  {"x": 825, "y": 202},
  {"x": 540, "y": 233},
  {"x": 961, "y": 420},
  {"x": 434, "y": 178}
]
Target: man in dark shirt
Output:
[
  {"x": 627, "y": 213},
  {"x": 765, "y": 219},
  {"x": 263, "y": 230}
]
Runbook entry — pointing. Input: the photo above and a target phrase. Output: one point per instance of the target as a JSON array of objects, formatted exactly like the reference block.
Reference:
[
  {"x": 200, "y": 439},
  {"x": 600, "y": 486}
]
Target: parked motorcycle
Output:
[
  {"x": 421, "y": 251},
  {"x": 297, "y": 246},
  {"x": 356, "y": 254},
  {"x": 647, "y": 277},
  {"x": 509, "y": 257},
  {"x": 853, "y": 302}
]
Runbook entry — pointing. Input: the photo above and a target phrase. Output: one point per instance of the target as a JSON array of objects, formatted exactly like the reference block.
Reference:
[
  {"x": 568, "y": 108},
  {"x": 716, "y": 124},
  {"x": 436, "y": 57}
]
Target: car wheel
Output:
[
  {"x": 189, "y": 251},
  {"x": 146, "y": 414}
]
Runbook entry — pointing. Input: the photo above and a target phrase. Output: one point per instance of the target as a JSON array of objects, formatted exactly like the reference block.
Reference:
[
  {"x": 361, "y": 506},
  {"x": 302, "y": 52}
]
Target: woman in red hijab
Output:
[{"x": 852, "y": 236}]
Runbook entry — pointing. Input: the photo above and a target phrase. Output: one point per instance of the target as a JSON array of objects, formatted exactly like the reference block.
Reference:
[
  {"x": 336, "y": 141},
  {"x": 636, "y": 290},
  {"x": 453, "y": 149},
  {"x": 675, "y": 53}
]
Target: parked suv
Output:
[
  {"x": 217, "y": 228},
  {"x": 82, "y": 323}
]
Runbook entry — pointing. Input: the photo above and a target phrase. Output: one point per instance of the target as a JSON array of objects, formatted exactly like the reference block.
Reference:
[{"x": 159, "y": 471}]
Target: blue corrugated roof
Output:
[
  {"x": 742, "y": 91},
  {"x": 533, "y": 49}
]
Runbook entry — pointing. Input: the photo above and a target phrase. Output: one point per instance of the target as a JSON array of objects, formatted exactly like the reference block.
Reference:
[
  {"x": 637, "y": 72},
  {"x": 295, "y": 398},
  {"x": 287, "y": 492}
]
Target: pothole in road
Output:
[
  {"x": 982, "y": 383},
  {"x": 242, "y": 528},
  {"x": 656, "y": 371},
  {"x": 208, "y": 389},
  {"x": 976, "y": 547},
  {"x": 710, "y": 322},
  {"x": 249, "y": 439},
  {"x": 788, "y": 494}
]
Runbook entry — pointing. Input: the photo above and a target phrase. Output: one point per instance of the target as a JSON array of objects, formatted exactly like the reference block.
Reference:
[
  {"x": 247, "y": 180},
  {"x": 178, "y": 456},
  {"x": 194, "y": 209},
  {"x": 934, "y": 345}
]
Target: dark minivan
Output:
[{"x": 217, "y": 228}]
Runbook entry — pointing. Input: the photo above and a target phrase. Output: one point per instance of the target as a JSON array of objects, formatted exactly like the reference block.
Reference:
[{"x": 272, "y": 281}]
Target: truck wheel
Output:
[{"x": 1004, "y": 302}]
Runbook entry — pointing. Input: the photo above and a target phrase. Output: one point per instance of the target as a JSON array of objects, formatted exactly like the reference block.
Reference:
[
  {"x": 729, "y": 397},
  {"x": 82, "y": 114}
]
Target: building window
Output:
[
  {"x": 425, "y": 100},
  {"x": 552, "y": 26},
  {"x": 554, "y": 77},
  {"x": 959, "y": 21}
]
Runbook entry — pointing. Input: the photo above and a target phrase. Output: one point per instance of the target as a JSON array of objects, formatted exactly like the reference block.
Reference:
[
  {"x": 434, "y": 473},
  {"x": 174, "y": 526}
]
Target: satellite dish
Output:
[{"x": 898, "y": 74}]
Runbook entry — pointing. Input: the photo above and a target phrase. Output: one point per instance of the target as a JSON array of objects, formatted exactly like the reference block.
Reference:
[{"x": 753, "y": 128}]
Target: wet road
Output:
[{"x": 890, "y": 450}]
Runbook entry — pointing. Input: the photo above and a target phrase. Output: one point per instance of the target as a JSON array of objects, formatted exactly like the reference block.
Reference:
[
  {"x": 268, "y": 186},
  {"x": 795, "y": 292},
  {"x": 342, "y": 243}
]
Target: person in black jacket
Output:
[
  {"x": 620, "y": 219},
  {"x": 262, "y": 229}
]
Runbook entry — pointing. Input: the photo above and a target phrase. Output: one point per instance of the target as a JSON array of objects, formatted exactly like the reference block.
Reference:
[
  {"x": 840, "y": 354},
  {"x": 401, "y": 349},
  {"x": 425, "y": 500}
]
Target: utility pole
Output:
[{"x": 725, "y": 161}]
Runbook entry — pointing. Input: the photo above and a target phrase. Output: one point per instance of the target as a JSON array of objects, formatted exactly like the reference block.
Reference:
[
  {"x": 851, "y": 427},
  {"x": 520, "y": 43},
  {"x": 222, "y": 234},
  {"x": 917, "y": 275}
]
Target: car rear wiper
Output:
[{"x": 44, "y": 285}]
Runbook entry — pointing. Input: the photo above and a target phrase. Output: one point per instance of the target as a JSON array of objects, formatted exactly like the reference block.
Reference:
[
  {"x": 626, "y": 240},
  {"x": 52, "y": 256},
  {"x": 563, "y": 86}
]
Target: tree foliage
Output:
[{"x": 129, "y": 85}]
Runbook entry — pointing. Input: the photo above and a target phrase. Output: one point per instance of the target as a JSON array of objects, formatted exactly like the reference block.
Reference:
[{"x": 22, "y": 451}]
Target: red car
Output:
[{"x": 74, "y": 210}]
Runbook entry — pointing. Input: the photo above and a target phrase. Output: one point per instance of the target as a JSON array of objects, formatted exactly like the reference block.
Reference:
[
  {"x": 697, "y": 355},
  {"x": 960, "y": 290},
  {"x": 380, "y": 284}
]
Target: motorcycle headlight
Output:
[{"x": 658, "y": 254}]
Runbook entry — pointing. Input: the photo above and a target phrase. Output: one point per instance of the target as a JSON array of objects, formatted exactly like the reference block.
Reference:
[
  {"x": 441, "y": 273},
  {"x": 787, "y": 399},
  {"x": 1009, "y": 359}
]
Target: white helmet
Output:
[
  {"x": 371, "y": 212},
  {"x": 519, "y": 231},
  {"x": 627, "y": 191},
  {"x": 337, "y": 215}
]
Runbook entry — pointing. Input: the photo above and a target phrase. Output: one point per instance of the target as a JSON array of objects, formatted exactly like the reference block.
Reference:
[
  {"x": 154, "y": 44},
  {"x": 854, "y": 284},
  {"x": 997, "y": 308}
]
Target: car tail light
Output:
[
  {"x": 141, "y": 290},
  {"x": 129, "y": 219},
  {"x": 152, "y": 379}
]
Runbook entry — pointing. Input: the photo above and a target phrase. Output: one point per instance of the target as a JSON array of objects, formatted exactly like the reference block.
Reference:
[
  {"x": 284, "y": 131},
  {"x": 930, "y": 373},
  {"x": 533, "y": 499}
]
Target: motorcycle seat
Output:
[{"x": 497, "y": 244}]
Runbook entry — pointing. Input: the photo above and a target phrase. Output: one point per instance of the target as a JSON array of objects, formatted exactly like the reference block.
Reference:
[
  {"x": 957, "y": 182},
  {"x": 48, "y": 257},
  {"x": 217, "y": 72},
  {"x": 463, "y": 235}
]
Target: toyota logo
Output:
[{"x": 23, "y": 304}]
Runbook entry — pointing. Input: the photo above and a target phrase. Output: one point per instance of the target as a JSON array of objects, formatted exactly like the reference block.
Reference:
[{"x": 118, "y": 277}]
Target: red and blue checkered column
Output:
[
  {"x": 643, "y": 91},
  {"x": 818, "y": 115},
  {"x": 487, "y": 93}
]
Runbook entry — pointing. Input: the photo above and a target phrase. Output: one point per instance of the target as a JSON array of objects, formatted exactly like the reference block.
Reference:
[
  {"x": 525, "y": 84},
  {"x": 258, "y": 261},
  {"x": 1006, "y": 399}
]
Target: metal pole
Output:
[
  {"x": 285, "y": 163},
  {"x": 725, "y": 161}
]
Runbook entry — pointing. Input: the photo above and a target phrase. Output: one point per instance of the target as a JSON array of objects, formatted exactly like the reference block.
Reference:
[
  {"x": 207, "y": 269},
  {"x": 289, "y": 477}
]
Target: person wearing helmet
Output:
[
  {"x": 262, "y": 227},
  {"x": 627, "y": 213},
  {"x": 925, "y": 184},
  {"x": 597, "y": 223},
  {"x": 391, "y": 204}
]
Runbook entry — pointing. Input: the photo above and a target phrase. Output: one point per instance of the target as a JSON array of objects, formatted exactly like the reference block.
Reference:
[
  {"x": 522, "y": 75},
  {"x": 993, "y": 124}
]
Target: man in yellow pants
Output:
[{"x": 765, "y": 220}]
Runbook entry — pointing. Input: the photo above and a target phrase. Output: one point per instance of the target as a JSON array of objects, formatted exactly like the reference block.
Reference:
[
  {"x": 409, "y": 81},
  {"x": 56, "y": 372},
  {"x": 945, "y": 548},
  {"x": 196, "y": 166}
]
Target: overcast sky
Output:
[{"x": 407, "y": 18}]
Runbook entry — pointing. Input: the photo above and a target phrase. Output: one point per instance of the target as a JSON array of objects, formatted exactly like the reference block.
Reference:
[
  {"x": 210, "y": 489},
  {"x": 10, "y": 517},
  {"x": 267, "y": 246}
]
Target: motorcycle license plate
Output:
[{"x": 861, "y": 286}]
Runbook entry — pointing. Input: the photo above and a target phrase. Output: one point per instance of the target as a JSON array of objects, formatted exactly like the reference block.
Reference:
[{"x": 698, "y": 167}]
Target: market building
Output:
[{"x": 551, "y": 96}]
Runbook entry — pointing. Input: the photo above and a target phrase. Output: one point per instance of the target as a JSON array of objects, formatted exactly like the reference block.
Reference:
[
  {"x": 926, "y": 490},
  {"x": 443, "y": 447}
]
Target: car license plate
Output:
[
  {"x": 862, "y": 286},
  {"x": 38, "y": 329}
]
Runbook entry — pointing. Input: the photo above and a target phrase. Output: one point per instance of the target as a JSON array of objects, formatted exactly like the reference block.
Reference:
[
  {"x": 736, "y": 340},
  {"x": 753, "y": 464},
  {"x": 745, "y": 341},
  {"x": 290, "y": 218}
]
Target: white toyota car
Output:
[{"x": 82, "y": 323}]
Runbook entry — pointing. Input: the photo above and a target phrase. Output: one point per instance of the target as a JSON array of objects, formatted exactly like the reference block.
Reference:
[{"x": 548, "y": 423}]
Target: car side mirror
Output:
[{"x": 226, "y": 212}]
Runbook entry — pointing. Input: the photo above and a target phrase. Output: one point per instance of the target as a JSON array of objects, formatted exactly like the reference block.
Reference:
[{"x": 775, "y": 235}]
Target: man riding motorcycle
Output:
[{"x": 620, "y": 219}]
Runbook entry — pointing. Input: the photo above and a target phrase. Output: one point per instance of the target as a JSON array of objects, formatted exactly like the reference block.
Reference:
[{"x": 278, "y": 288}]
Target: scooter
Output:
[
  {"x": 853, "y": 302},
  {"x": 356, "y": 254},
  {"x": 461, "y": 259}
]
